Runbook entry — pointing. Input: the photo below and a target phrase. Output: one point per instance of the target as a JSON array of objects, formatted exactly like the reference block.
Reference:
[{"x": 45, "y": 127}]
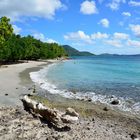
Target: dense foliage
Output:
[
  {"x": 6, "y": 29},
  {"x": 14, "y": 47}
]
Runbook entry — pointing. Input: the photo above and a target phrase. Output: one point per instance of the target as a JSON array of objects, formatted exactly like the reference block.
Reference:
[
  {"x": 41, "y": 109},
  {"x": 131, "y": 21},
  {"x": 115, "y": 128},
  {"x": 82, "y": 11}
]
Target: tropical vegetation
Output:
[{"x": 15, "y": 47}]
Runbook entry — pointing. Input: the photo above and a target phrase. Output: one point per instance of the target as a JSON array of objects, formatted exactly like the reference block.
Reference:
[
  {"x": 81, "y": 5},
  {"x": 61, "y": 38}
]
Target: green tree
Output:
[
  {"x": 6, "y": 29},
  {"x": 14, "y": 47}
]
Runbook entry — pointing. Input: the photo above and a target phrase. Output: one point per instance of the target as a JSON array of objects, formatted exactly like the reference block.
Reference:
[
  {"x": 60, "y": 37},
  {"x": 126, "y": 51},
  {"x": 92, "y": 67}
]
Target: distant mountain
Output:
[
  {"x": 107, "y": 54},
  {"x": 73, "y": 52}
]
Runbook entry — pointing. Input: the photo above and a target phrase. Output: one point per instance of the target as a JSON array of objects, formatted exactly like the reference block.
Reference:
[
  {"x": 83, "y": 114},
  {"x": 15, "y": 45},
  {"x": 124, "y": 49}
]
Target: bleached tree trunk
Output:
[{"x": 51, "y": 115}]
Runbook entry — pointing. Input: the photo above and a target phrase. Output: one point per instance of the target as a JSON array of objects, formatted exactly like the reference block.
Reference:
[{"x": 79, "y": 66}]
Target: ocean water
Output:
[{"x": 100, "y": 78}]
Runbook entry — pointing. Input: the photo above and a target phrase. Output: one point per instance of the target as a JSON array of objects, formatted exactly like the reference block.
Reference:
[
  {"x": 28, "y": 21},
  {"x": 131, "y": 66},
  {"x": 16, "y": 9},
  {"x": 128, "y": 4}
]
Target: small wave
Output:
[{"x": 124, "y": 104}]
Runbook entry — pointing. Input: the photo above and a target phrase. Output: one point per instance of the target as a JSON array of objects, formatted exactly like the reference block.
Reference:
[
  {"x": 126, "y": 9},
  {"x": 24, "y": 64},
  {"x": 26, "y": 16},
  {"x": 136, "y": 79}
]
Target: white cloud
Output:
[
  {"x": 135, "y": 29},
  {"x": 134, "y": 3},
  {"x": 35, "y": 8},
  {"x": 99, "y": 35},
  {"x": 17, "y": 29},
  {"x": 42, "y": 37},
  {"x": 49, "y": 40},
  {"x": 88, "y": 7},
  {"x": 113, "y": 42},
  {"x": 104, "y": 22},
  {"x": 122, "y": 39},
  {"x": 126, "y": 14},
  {"x": 120, "y": 36},
  {"x": 115, "y": 4},
  {"x": 78, "y": 36},
  {"x": 133, "y": 43},
  {"x": 117, "y": 39}
]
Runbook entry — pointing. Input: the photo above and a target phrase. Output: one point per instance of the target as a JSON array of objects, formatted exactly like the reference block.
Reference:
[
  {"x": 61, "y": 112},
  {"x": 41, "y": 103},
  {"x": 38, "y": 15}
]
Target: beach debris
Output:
[
  {"x": 29, "y": 88},
  {"x": 86, "y": 98},
  {"x": 3, "y": 66},
  {"x": 73, "y": 91},
  {"x": 133, "y": 136},
  {"x": 52, "y": 115},
  {"x": 88, "y": 128},
  {"x": 71, "y": 112},
  {"x": 112, "y": 96},
  {"x": 105, "y": 109},
  {"x": 37, "y": 108},
  {"x": 93, "y": 120},
  {"x": 82, "y": 99},
  {"x": 69, "y": 119},
  {"x": 115, "y": 102},
  {"x": 89, "y": 100},
  {"x": 34, "y": 89},
  {"x": 41, "y": 83}
]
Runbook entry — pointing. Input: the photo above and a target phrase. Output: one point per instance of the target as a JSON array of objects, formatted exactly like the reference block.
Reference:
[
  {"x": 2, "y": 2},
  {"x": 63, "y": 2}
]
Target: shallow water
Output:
[{"x": 97, "y": 77}]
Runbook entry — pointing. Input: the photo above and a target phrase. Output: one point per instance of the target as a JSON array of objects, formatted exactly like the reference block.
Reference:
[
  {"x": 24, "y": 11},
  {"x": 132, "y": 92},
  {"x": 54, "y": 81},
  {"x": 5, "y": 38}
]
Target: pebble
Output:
[
  {"x": 89, "y": 100},
  {"x": 133, "y": 136},
  {"x": 93, "y": 119},
  {"x": 105, "y": 109},
  {"x": 84, "y": 129},
  {"x": 115, "y": 102}
]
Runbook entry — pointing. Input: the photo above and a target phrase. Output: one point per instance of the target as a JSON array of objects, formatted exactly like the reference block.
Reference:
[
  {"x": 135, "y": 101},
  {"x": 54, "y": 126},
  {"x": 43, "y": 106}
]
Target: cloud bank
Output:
[{"x": 30, "y": 8}]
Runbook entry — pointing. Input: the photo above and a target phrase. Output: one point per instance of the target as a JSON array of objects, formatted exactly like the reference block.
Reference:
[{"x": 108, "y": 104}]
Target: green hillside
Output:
[{"x": 73, "y": 52}]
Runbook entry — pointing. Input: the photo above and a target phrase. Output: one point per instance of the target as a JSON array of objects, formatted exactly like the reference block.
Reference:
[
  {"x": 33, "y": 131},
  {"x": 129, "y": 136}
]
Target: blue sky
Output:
[{"x": 98, "y": 26}]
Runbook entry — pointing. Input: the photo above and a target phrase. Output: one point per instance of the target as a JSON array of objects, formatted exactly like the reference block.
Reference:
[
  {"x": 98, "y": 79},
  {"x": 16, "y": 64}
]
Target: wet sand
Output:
[{"x": 10, "y": 83}]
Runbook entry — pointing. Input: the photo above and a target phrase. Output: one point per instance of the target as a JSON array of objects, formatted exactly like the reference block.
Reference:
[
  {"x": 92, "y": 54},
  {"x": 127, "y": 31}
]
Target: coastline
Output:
[
  {"x": 12, "y": 86},
  {"x": 94, "y": 120}
]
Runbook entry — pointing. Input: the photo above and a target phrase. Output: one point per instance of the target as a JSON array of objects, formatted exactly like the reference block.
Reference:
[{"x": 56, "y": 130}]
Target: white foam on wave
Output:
[
  {"x": 127, "y": 105},
  {"x": 124, "y": 104},
  {"x": 40, "y": 78}
]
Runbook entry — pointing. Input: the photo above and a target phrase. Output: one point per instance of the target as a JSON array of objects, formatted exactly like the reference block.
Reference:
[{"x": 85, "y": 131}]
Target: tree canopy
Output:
[
  {"x": 6, "y": 29},
  {"x": 14, "y": 47}
]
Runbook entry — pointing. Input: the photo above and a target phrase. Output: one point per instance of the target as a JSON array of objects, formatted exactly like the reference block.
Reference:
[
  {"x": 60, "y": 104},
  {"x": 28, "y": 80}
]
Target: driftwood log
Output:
[{"x": 52, "y": 115}]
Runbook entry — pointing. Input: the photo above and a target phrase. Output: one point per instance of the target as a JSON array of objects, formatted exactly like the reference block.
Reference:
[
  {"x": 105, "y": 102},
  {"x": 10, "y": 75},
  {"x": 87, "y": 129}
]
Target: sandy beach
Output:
[
  {"x": 10, "y": 83},
  {"x": 95, "y": 123}
]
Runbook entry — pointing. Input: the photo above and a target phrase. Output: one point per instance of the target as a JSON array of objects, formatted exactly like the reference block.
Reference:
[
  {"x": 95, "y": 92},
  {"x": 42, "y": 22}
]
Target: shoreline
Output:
[
  {"x": 12, "y": 85},
  {"x": 23, "y": 84},
  {"x": 94, "y": 120},
  {"x": 69, "y": 95}
]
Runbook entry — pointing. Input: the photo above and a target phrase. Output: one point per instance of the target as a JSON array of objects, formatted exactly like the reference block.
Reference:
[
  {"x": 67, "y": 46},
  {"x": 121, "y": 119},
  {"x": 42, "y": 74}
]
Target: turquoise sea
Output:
[{"x": 100, "y": 78}]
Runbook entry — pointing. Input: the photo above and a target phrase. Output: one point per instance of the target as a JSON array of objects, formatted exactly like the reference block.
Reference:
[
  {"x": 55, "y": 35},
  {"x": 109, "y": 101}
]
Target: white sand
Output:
[{"x": 10, "y": 82}]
